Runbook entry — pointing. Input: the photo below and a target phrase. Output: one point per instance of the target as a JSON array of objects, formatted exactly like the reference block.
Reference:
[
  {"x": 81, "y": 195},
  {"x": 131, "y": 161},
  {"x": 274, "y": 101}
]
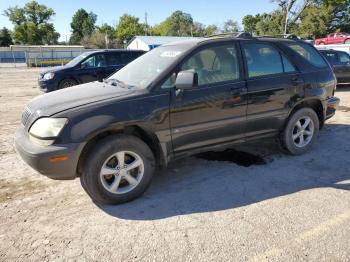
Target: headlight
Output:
[
  {"x": 49, "y": 76},
  {"x": 47, "y": 127}
]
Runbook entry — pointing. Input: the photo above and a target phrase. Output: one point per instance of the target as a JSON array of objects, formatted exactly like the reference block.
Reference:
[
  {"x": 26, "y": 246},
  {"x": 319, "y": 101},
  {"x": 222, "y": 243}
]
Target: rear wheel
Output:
[
  {"x": 301, "y": 131},
  {"x": 67, "y": 83},
  {"x": 119, "y": 169}
]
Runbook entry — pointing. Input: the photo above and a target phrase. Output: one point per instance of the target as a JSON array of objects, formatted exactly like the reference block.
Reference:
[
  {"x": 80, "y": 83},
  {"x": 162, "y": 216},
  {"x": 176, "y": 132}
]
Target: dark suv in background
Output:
[
  {"x": 340, "y": 61},
  {"x": 178, "y": 100},
  {"x": 87, "y": 67}
]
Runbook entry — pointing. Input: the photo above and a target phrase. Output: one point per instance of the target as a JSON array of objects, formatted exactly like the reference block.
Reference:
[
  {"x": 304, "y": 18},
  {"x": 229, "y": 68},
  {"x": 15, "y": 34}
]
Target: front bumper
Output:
[
  {"x": 38, "y": 157},
  {"x": 47, "y": 85},
  {"x": 332, "y": 106}
]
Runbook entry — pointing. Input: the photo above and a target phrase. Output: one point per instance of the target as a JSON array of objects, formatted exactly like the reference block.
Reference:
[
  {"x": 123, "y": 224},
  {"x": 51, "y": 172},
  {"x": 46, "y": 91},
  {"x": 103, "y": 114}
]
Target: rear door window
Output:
[
  {"x": 113, "y": 59},
  {"x": 307, "y": 52},
  {"x": 262, "y": 60},
  {"x": 126, "y": 58}
]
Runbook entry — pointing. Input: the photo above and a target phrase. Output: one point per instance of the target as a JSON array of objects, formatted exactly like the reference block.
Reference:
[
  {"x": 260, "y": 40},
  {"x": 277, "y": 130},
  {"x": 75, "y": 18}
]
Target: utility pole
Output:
[{"x": 146, "y": 24}]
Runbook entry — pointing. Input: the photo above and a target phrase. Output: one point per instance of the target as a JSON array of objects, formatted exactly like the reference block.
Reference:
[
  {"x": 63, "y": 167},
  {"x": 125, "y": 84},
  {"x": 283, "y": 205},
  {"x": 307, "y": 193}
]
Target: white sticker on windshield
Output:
[{"x": 170, "y": 53}]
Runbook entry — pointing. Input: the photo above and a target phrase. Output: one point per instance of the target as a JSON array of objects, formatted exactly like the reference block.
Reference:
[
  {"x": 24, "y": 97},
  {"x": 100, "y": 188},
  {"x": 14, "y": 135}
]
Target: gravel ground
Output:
[{"x": 289, "y": 209}]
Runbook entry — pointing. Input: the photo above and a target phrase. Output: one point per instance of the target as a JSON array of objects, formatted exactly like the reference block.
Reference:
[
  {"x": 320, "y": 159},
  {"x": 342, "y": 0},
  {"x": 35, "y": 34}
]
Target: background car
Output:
[
  {"x": 334, "y": 38},
  {"x": 340, "y": 61},
  {"x": 87, "y": 67}
]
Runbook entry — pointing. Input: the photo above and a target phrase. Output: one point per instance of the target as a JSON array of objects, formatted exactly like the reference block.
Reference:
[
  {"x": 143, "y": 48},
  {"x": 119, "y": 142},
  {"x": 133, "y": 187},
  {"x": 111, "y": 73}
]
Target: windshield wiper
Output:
[{"x": 115, "y": 82}]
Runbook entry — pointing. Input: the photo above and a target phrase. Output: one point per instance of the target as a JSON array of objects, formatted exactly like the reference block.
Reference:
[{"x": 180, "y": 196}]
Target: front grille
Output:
[{"x": 25, "y": 115}]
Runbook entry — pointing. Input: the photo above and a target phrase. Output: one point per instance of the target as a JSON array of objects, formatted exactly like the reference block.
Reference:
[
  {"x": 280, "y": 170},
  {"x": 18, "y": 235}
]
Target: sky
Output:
[{"x": 109, "y": 11}]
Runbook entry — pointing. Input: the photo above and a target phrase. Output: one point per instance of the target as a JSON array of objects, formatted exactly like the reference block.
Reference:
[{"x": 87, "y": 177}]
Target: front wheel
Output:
[
  {"x": 67, "y": 83},
  {"x": 119, "y": 169},
  {"x": 301, "y": 131}
]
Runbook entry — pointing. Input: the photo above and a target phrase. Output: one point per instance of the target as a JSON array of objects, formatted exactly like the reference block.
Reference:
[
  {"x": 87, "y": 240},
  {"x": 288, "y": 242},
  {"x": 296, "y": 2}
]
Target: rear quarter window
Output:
[{"x": 309, "y": 53}]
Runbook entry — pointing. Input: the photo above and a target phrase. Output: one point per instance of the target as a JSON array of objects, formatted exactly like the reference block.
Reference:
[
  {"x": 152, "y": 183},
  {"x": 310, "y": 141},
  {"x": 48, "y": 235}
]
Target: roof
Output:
[
  {"x": 191, "y": 41},
  {"x": 160, "y": 40}
]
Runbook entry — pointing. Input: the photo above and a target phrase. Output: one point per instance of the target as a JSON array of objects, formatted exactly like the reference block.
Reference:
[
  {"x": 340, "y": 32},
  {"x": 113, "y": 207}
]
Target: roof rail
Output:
[
  {"x": 232, "y": 34},
  {"x": 286, "y": 36}
]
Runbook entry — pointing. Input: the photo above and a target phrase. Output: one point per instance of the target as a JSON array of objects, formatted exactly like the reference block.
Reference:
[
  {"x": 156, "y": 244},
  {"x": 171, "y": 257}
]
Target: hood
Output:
[
  {"x": 55, "y": 69},
  {"x": 64, "y": 99}
]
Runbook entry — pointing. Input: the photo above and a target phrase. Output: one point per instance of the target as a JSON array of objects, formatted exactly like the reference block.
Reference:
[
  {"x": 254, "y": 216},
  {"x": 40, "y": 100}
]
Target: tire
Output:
[
  {"x": 347, "y": 41},
  {"x": 297, "y": 139},
  {"x": 100, "y": 186},
  {"x": 67, "y": 83}
]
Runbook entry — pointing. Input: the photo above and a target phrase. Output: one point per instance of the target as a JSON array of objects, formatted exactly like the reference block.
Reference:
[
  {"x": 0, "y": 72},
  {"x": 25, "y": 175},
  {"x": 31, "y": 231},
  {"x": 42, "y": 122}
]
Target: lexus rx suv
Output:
[{"x": 174, "y": 101}]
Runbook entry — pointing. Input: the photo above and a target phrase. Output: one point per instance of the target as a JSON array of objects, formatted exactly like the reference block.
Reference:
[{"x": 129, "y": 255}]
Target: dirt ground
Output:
[{"x": 275, "y": 208}]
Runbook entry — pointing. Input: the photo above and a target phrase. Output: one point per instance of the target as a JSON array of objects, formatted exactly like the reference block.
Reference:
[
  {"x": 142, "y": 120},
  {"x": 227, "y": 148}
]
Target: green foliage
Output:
[
  {"x": 128, "y": 27},
  {"x": 106, "y": 30},
  {"x": 178, "y": 23},
  {"x": 249, "y": 23},
  {"x": 270, "y": 24},
  {"x": 5, "y": 37},
  {"x": 231, "y": 26},
  {"x": 309, "y": 19},
  {"x": 198, "y": 29},
  {"x": 83, "y": 24},
  {"x": 323, "y": 17},
  {"x": 31, "y": 24},
  {"x": 212, "y": 30},
  {"x": 96, "y": 40}
]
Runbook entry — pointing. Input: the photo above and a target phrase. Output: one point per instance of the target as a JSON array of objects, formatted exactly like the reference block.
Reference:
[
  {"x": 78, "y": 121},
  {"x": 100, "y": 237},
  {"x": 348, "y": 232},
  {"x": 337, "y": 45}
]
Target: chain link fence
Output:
[{"x": 38, "y": 56}]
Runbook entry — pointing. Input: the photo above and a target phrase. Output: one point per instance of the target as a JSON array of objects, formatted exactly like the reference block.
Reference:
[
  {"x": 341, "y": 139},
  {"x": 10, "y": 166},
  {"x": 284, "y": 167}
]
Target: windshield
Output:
[
  {"x": 77, "y": 59},
  {"x": 145, "y": 69}
]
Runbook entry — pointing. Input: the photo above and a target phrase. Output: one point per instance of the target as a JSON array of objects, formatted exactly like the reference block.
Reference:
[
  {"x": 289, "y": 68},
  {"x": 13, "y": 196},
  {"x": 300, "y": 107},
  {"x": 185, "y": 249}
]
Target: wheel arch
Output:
[
  {"x": 140, "y": 132},
  {"x": 68, "y": 78},
  {"x": 313, "y": 103}
]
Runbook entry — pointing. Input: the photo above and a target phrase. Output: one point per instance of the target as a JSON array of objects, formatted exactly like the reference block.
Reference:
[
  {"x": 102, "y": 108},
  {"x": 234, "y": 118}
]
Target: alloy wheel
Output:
[
  {"x": 303, "y": 131},
  {"x": 122, "y": 172}
]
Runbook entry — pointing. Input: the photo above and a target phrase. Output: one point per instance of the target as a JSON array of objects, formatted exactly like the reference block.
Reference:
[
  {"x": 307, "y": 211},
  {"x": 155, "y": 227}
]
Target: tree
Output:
[
  {"x": 106, "y": 30},
  {"x": 5, "y": 37},
  {"x": 83, "y": 24},
  {"x": 31, "y": 24},
  {"x": 177, "y": 24},
  {"x": 292, "y": 10},
  {"x": 128, "y": 27},
  {"x": 211, "y": 30},
  {"x": 198, "y": 29},
  {"x": 249, "y": 23},
  {"x": 323, "y": 17},
  {"x": 231, "y": 26},
  {"x": 270, "y": 23}
]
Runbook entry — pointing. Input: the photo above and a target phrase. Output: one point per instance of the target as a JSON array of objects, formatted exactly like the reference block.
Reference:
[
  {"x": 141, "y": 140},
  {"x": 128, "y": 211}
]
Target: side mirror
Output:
[{"x": 186, "y": 80}]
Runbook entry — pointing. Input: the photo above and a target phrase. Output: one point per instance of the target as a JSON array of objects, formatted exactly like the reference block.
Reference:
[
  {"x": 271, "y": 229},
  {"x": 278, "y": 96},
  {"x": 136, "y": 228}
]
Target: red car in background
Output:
[{"x": 334, "y": 38}]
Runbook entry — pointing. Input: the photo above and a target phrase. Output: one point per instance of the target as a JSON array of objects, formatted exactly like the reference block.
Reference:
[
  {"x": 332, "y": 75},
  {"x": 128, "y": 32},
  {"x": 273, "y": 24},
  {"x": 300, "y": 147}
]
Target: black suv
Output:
[
  {"x": 340, "y": 61},
  {"x": 88, "y": 67},
  {"x": 174, "y": 101}
]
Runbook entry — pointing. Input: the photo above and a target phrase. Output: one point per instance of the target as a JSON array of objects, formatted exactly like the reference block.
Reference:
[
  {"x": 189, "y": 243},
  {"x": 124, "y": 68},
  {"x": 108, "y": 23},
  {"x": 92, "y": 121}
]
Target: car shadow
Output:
[{"x": 197, "y": 185}]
